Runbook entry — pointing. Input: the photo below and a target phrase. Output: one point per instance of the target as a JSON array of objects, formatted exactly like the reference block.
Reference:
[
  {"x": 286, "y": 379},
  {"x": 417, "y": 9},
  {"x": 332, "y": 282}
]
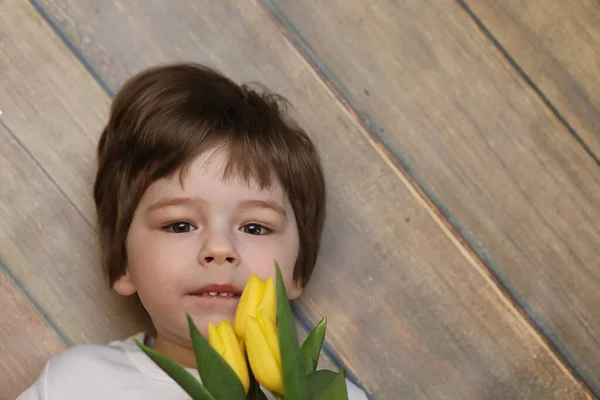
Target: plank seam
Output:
[
  {"x": 448, "y": 223},
  {"x": 300, "y": 316},
  {"x": 486, "y": 32},
  {"x": 72, "y": 48},
  {"x": 37, "y": 306},
  {"x": 46, "y": 173},
  {"x": 569, "y": 359},
  {"x": 59, "y": 332}
]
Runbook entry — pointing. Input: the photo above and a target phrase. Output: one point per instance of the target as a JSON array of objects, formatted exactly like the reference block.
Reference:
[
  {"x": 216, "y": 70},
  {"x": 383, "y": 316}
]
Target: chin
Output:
[{"x": 203, "y": 319}]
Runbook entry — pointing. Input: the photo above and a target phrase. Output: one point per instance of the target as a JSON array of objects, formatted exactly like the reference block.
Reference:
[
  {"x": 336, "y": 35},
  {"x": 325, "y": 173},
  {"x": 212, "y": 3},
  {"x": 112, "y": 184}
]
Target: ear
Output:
[
  {"x": 124, "y": 285},
  {"x": 295, "y": 289}
]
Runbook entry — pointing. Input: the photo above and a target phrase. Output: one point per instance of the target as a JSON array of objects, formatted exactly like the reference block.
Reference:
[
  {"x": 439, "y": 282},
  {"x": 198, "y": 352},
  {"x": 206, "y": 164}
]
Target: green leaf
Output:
[
  {"x": 311, "y": 348},
  {"x": 319, "y": 381},
  {"x": 294, "y": 382},
  {"x": 335, "y": 390},
  {"x": 187, "y": 381},
  {"x": 218, "y": 377}
]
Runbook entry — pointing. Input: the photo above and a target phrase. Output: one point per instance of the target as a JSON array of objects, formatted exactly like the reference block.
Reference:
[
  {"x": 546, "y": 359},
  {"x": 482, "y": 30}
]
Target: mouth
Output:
[{"x": 218, "y": 292}]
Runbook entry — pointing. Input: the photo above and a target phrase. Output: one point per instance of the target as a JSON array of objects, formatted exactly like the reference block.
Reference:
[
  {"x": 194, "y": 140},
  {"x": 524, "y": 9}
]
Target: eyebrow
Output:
[
  {"x": 182, "y": 201},
  {"x": 174, "y": 201},
  {"x": 271, "y": 205}
]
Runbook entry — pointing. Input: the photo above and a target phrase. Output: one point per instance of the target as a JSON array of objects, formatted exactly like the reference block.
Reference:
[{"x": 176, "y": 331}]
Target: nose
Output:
[{"x": 217, "y": 249}]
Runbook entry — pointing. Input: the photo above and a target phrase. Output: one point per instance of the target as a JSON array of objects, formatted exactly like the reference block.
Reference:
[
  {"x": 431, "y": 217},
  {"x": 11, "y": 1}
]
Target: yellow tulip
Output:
[
  {"x": 258, "y": 298},
  {"x": 224, "y": 341},
  {"x": 262, "y": 346}
]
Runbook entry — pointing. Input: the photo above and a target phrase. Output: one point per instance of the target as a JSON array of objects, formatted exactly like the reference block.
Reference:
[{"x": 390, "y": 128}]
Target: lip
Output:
[{"x": 218, "y": 288}]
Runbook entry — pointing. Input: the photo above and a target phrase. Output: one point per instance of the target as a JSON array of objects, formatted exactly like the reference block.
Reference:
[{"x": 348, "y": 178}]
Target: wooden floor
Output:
[{"x": 461, "y": 142}]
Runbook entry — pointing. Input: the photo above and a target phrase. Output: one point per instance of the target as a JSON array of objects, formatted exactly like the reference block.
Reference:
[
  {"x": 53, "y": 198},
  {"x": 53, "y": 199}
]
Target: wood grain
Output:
[
  {"x": 408, "y": 313},
  {"x": 557, "y": 45},
  {"x": 26, "y": 339},
  {"x": 516, "y": 184},
  {"x": 50, "y": 119},
  {"x": 47, "y": 236}
]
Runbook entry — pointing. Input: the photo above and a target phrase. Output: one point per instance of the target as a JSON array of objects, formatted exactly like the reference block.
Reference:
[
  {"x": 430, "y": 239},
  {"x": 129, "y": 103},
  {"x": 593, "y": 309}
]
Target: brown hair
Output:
[{"x": 164, "y": 117}]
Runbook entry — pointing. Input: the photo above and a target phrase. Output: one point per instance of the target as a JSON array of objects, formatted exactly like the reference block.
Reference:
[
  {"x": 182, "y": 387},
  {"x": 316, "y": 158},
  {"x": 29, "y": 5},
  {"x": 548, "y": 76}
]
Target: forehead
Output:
[{"x": 204, "y": 176}]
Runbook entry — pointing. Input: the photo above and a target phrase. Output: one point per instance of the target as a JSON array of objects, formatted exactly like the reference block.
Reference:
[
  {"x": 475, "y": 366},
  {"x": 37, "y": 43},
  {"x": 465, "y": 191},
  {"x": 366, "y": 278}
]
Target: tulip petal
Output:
[
  {"x": 268, "y": 304},
  {"x": 272, "y": 336},
  {"x": 214, "y": 339},
  {"x": 251, "y": 296},
  {"x": 264, "y": 366},
  {"x": 233, "y": 353}
]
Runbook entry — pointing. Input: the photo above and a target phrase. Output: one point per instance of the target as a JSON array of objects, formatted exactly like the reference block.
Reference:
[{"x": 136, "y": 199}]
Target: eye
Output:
[
  {"x": 255, "y": 229},
  {"x": 180, "y": 227}
]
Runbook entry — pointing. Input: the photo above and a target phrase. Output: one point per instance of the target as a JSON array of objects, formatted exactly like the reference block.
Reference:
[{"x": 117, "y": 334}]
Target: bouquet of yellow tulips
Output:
[{"x": 260, "y": 349}]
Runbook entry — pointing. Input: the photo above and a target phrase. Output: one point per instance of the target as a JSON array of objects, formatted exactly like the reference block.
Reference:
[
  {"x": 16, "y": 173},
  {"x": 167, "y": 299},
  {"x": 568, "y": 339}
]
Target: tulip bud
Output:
[
  {"x": 262, "y": 346},
  {"x": 224, "y": 341},
  {"x": 257, "y": 298}
]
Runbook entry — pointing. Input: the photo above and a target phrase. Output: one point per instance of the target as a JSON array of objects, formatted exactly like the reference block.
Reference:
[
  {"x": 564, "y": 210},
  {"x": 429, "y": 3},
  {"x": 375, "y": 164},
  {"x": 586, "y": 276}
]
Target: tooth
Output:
[
  {"x": 204, "y": 294},
  {"x": 224, "y": 294},
  {"x": 212, "y": 293}
]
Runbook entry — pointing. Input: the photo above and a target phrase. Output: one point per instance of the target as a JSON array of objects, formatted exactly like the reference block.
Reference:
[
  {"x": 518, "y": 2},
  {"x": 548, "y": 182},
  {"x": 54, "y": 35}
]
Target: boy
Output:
[{"x": 200, "y": 184}]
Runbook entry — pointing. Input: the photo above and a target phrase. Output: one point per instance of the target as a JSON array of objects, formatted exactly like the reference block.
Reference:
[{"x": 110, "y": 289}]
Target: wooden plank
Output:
[
  {"x": 54, "y": 108},
  {"x": 400, "y": 296},
  {"x": 556, "y": 44},
  {"x": 48, "y": 223},
  {"x": 26, "y": 339},
  {"x": 511, "y": 178}
]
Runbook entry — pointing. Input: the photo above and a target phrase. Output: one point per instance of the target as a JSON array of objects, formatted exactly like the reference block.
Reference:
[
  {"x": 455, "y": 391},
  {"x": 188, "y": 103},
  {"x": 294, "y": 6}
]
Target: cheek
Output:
[
  {"x": 261, "y": 261},
  {"x": 155, "y": 264},
  {"x": 261, "y": 254},
  {"x": 287, "y": 255}
]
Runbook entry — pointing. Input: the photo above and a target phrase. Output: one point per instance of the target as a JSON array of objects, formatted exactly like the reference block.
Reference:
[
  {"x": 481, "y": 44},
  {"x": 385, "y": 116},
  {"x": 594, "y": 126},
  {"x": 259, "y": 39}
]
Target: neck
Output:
[{"x": 180, "y": 353}]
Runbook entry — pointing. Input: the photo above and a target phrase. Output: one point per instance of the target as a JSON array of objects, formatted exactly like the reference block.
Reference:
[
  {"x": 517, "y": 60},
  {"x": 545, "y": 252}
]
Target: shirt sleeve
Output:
[
  {"x": 37, "y": 391},
  {"x": 354, "y": 392}
]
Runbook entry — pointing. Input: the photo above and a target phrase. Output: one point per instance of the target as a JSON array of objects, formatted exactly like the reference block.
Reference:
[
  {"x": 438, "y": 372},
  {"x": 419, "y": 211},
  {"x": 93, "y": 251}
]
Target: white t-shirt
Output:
[{"x": 119, "y": 370}]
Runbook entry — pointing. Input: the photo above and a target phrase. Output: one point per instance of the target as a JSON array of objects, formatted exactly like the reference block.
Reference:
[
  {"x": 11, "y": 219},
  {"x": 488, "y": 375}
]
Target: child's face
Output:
[{"x": 184, "y": 238}]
